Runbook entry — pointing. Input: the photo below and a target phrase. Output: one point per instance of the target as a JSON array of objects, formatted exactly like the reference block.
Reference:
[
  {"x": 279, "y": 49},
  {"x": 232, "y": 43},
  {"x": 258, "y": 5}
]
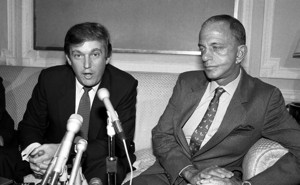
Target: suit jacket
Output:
[
  {"x": 256, "y": 110},
  {"x": 6, "y": 122},
  {"x": 53, "y": 101}
]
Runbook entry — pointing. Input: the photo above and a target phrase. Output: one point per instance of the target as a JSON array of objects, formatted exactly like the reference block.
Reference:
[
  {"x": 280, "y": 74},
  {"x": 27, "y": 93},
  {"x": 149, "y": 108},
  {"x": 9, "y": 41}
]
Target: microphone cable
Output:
[{"x": 129, "y": 161}]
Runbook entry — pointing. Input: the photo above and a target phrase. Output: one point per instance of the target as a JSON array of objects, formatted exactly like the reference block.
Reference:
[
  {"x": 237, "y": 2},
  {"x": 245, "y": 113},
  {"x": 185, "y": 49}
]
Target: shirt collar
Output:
[
  {"x": 79, "y": 87},
  {"x": 229, "y": 88}
]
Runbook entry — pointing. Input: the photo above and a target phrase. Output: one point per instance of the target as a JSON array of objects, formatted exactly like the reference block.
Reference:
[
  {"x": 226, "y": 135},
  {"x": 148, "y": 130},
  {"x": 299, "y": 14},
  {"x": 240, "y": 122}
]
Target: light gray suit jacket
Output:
[{"x": 256, "y": 110}]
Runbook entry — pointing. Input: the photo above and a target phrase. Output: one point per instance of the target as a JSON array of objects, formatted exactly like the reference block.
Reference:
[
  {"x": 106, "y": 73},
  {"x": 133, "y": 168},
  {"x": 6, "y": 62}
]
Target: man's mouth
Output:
[{"x": 87, "y": 75}]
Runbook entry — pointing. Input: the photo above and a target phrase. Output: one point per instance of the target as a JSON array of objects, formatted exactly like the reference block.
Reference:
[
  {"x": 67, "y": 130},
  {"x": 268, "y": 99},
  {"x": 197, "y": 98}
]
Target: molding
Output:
[
  {"x": 8, "y": 56},
  {"x": 31, "y": 57},
  {"x": 270, "y": 66},
  {"x": 246, "y": 18},
  {"x": 290, "y": 95}
]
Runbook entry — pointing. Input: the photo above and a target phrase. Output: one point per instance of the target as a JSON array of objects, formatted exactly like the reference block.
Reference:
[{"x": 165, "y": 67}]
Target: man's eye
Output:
[
  {"x": 75, "y": 55},
  {"x": 201, "y": 49},
  {"x": 97, "y": 54},
  {"x": 220, "y": 50},
  {"x": 217, "y": 48}
]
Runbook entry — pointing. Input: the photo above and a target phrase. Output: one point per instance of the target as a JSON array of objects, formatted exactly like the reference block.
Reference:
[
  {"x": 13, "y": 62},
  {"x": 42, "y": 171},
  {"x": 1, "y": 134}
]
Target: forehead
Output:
[
  {"x": 87, "y": 46},
  {"x": 216, "y": 31}
]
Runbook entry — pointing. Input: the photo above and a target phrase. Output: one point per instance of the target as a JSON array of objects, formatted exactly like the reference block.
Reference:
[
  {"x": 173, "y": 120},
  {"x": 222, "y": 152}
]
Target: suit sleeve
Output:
[
  {"x": 280, "y": 126},
  {"x": 34, "y": 124},
  {"x": 167, "y": 150}
]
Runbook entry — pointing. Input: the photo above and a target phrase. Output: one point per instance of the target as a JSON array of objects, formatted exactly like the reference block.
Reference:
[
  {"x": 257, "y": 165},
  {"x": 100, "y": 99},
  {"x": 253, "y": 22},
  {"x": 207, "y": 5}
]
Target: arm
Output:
[
  {"x": 281, "y": 127},
  {"x": 33, "y": 127},
  {"x": 165, "y": 146},
  {"x": 35, "y": 117}
]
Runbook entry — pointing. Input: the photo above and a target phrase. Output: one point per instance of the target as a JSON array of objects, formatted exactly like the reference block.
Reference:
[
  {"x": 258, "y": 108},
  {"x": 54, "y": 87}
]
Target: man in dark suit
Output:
[
  {"x": 57, "y": 96},
  {"x": 248, "y": 109}
]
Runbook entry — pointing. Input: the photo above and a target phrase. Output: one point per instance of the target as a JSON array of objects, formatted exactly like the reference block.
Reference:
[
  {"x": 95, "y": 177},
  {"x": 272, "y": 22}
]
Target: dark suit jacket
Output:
[
  {"x": 53, "y": 101},
  {"x": 6, "y": 122},
  {"x": 256, "y": 110}
]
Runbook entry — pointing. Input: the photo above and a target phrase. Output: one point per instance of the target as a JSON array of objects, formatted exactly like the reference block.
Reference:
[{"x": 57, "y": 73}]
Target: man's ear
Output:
[
  {"x": 241, "y": 53},
  {"x": 68, "y": 60},
  {"x": 108, "y": 60}
]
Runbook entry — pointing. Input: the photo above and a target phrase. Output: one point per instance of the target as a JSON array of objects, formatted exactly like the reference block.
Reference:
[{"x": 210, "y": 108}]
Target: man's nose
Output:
[
  {"x": 206, "y": 55},
  {"x": 87, "y": 62}
]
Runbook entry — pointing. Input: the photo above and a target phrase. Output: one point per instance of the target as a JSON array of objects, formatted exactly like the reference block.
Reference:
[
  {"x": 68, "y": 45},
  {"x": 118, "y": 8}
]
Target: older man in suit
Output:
[
  {"x": 214, "y": 116},
  {"x": 58, "y": 93}
]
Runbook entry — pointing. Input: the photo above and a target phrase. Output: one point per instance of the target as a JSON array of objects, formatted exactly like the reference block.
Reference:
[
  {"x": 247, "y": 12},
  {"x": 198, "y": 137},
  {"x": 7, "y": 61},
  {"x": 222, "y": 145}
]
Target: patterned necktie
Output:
[
  {"x": 84, "y": 111},
  {"x": 202, "y": 129}
]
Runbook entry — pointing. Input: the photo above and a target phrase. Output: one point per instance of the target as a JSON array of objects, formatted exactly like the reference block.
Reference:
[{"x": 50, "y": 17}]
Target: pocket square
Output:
[{"x": 242, "y": 128}]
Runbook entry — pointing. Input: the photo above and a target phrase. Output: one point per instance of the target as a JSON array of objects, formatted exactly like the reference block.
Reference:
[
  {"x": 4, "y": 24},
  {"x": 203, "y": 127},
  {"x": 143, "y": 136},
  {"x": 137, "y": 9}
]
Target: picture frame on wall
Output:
[{"x": 136, "y": 26}]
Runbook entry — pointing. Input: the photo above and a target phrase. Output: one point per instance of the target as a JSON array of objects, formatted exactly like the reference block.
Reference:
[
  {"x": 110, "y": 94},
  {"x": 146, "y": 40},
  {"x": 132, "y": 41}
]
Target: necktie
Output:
[
  {"x": 84, "y": 111},
  {"x": 202, "y": 129}
]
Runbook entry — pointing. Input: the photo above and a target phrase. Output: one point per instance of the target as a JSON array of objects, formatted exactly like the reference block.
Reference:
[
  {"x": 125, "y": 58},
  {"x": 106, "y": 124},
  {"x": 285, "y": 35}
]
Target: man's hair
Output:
[
  {"x": 236, "y": 27},
  {"x": 87, "y": 31}
]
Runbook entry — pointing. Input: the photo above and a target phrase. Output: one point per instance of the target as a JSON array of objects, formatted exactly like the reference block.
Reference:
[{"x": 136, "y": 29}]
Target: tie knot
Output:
[
  {"x": 87, "y": 89},
  {"x": 219, "y": 91}
]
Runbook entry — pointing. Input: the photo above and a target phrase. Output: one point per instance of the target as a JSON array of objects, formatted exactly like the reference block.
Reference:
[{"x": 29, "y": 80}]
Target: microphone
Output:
[
  {"x": 103, "y": 95},
  {"x": 95, "y": 181},
  {"x": 50, "y": 168},
  {"x": 73, "y": 125},
  {"x": 80, "y": 148}
]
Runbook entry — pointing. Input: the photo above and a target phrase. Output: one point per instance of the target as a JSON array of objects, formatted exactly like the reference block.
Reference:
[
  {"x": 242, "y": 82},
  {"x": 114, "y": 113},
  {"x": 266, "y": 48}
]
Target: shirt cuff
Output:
[
  {"x": 183, "y": 170},
  {"x": 25, "y": 153}
]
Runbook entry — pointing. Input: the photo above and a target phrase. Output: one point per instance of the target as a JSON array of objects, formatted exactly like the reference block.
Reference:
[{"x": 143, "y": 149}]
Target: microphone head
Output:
[
  {"x": 103, "y": 93},
  {"x": 74, "y": 123},
  {"x": 95, "y": 181},
  {"x": 81, "y": 145}
]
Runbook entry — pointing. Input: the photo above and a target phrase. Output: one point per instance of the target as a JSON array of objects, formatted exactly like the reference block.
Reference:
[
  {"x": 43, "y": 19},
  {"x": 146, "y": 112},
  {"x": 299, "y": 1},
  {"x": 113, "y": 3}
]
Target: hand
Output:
[
  {"x": 216, "y": 171},
  {"x": 193, "y": 175},
  {"x": 220, "y": 181},
  {"x": 41, "y": 156},
  {"x": 219, "y": 176}
]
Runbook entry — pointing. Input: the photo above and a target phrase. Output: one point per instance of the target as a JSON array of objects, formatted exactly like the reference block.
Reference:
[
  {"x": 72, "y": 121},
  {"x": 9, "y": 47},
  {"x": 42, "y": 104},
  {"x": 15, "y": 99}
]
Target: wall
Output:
[{"x": 272, "y": 31}]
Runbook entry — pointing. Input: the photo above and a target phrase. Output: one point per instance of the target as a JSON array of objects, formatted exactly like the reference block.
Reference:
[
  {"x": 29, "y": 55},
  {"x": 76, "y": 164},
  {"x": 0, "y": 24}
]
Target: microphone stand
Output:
[{"x": 111, "y": 160}]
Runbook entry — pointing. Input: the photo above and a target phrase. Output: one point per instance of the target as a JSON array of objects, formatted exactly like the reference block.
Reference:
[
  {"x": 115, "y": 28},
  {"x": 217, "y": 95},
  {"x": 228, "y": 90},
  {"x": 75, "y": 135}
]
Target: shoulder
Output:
[
  {"x": 193, "y": 77},
  {"x": 55, "y": 73},
  {"x": 257, "y": 85},
  {"x": 56, "y": 77},
  {"x": 57, "y": 70},
  {"x": 117, "y": 73}
]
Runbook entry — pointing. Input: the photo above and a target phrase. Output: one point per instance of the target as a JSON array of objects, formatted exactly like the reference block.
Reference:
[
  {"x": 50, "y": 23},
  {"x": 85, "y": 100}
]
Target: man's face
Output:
[
  {"x": 219, "y": 50},
  {"x": 88, "y": 61}
]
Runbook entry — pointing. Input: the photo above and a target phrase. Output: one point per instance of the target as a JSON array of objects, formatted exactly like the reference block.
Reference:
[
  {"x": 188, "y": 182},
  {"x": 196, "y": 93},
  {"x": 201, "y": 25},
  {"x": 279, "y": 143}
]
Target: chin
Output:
[{"x": 211, "y": 75}]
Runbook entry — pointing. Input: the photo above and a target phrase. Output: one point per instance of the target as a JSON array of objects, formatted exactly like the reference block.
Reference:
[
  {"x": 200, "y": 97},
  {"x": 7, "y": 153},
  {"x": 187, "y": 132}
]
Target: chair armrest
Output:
[
  {"x": 144, "y": 159},
  {"x": 263, "y": 154}
]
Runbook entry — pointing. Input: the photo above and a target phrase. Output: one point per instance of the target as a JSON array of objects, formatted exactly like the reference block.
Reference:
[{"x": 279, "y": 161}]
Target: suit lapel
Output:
[
  {"x": 66, "y": 100},
  {"x": 98, "y": 109},
  {"x": 189, "y": 104}
]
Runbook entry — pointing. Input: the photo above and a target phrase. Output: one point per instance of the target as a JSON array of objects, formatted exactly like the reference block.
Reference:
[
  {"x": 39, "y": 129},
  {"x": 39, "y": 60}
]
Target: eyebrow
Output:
[{"x": 93, "y": 50}]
